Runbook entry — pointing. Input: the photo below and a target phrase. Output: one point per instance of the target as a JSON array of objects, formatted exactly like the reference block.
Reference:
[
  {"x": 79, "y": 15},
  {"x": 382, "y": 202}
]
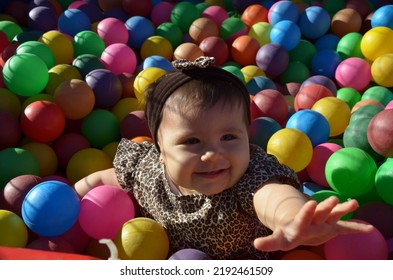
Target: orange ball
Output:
[
  {"x": 244, "y": 50},
  {"x": 188, "y": 51},
  {"x": 365, "y": 102},
  {"x": 75, "y": 98},
  {"x": 202, "y": 28},
  {"x": 253, "y": 14},
  {"x": 346, "y": 21},
  {"x": 308, "y": 95},
  {"x": 140, "y": 139}
]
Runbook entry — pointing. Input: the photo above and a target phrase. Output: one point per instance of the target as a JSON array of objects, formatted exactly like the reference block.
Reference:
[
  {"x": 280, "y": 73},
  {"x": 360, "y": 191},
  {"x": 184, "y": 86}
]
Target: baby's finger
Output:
[
  {"x": 341, "y": 210},
  {"x": 324, "y": 210},
  {"x": 305, "y": 216}
]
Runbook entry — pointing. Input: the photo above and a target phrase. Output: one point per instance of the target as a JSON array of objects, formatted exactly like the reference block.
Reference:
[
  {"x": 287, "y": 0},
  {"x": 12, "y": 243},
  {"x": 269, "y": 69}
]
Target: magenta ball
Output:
[
  {"x": 112, "y": 30},
  {"x": 273, "y": 59},
  {"x": 67, "y": 145},
  {"x": 104, "y": 210},
  {"x": 316, "y": 168},
  {"x": 119, "y": 58},
  {"x": 216, "y": 13},
  {"x": 353, "y": 72},
  {"x": 360, "y": 246},
  {"x": 161, "y": 12},
  {"x": 216, "y": 47}
]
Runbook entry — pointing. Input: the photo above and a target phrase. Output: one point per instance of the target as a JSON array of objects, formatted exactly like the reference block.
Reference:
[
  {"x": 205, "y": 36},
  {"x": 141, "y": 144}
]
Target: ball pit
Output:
[{"x": 330, "y": 32}]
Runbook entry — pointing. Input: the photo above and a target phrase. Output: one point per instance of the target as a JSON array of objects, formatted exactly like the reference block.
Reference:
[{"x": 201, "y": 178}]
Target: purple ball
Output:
[
  {"x": 321, "y": 80},
  {"x": 42, "y": 18},
  {"x": 189, "y": 254},
  {"x": 273, "y": 59},
  {"x": 106, "y": 86}
]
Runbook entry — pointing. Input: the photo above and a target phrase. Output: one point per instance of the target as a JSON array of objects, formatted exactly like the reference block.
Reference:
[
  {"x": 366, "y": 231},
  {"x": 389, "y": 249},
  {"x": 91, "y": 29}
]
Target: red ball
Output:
[
  {"x": 133, "y": 125},
  {"x": 216, "y": 47},
  {"x": 10, "y": 132},
  {"x": 67, "y": 145},
  {"x": 269, "y": 103},
  {"x": 308, "y": 95},
  {"x": 43, "y": 121},
  {"x": 380, "y": 131}
]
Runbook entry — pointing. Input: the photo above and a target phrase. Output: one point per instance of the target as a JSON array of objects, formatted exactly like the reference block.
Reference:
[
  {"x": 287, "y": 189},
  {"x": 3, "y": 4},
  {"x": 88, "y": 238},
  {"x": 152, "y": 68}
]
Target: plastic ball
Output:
[
  {"x": 119, "y": 58},
  {"x": 39, "y": 49},
  {"x": 379, "y": 131},
  {"x": 60, "y": 73},
  {"x": 135, "y": 7},
  {"x": 296, "y": 72},
  {"x": 336, "y": 112},
  {"x": 378, "y": 93},
  {"x": 383, "y": 181},
  {"x": 100, "y": 127},
  {"x": 142, "y": 239},
  {"x": 349, "y": 95},
  {"x": 291, "y": 147},
  {"x": 86, "y": 161},
  {"x": 73, "y": 21},
  {"x": 106, "y": 87},
  {"x": 13, "y": 230},
  {"x": 157, "y": 61},
  {"x": 112, "y": 30},
  {"x": 244, "y": 50},
  {"x": 67, "y": 145},
  {"x": 86, "y": 63},
  {"x": 125, "y": 106},
  {"x": 314, "y": 22},
  {"x": 259, "y": 83},
  {"x": 285, "y": 33},
  {"x": 104, "y": 210},
  {"x": 321, "y": 80},
  {"x": 202, "y": 28},
  {"x": 345, "y": 21},
  {"x": 303, "y": 52},
  {"x": 43, "y": 121},
  {"x": 144, "y": 79},
  {"x": 253, "y": 14},
  {"x": 50, "y": 208},
  {"x": 309, "y": 94},
  {"x": 134, "y": 125},
  {"x": 261, "y": 32},
  {"x": 283, "y": 10},
  {"x": 156, "y": 45},
  {"x": 231, "y": 28},
  {"x": 45, "y": 155},
  {"x": 349, "y": 45},
  {"x": 161, "y": 12},
  {"x": 251, "y": 71},
  {"x": 25, "y": 74},
  {"x": 269, "y": 103},
  {"x": 382, "y": 70},
  {"x": 127, "y": 82},
  {"x": 88, "y": 42},
  {"x": 383, "y": 16},
  {"x": 301, "y": 254},
  {"x": 139, "y": 29},
  {"x": 10, "y": 28},
  {"x": 325, "y": 62},
  {"x": 189, "y": 254},
  {"x": 42, "y": 18},
  {"x": 11, "y": 132},
  {"x": 376, "y": 42},
  {"x": 367, "y": 246},
  {"x": 354, "y": 72},
  {"x": 273, "y": 59},
  {"x": 327, "y": 42},
  {"x": 316, "y": 167},
  {"x": 312, "y": 123},
  {"x": 261, "y": 129},
  {"x": 350, "y": 171},
  {"x": 60, "y": 44},
  {"x": 183, "y": 14},
  {"x": 188, "y": 50},
  {"x": 216, "y": 47},
  {"x": 52, "y": 244},
  {"x": 216, "y": 13}
]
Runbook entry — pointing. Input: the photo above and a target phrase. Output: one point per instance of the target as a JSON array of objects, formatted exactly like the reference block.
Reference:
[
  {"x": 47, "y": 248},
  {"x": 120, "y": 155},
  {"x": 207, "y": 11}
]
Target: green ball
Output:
[
  {"x": 378, "y": 93},
  {"x": 231, "y": 26},
  {"x": 349, "y": 46},
  {"x": 384, "y": 181},
  {"x": 88, "y": 42},
  {"x": 171, "y": 32},
  {"x": 183, "y": 14},
  {"x": 100, "y": 128},
  {"x": 39, "y": 49},
  {"x": 25, "y": 74},
  {"x": 10, "y": 28},
  {"x": 303, "y": 52},
  {"x": 365, "y": 112},
  {"x": 296, "y": 72},
  {"x": 349, "y": 95},
  {"x": 324, "y": 194},
  {"x": 350, "y": 171},
  {"x": 85, "y": 63},
  {"x": 15, "y": 162},
  {"x": 235, "y": 71}
]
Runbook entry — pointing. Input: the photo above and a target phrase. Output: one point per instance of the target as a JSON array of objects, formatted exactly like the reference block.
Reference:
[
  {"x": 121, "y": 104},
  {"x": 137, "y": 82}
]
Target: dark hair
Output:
[{"x": 204, "y": 85}]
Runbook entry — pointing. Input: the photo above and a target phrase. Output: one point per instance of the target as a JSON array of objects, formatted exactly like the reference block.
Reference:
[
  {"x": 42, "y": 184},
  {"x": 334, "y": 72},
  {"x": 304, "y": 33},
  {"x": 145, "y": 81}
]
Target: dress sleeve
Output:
[{"x": 262, "y": 168}]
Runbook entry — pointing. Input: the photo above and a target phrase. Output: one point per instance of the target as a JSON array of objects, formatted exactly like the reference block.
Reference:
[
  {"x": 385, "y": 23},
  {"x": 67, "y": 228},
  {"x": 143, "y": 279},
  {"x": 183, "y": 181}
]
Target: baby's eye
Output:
[
  {"x": 191, "y": 141},
  {"x": 228, "y": 137}
]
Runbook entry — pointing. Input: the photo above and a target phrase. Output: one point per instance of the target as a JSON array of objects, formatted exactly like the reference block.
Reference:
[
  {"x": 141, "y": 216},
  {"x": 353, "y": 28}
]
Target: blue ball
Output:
[
  {"x": 258, "y": 83},
  {"x": 139, "y": 29},
  {"x": 261, "y": 129},
  {"x": 283, "y": 10},
  {"x": 383, "y": 16},
  {"x": 311, "y": 123},
  {"x": 285, "y": 33},
  {"x": 73, "y": 21},
  {"x": 314, "y": 22},
  {"x": 157, "y": 61},
  {"x": 327, "y": 42},
  {"x": 50, "y": 208},
  {"x": 325, "y": 63}
]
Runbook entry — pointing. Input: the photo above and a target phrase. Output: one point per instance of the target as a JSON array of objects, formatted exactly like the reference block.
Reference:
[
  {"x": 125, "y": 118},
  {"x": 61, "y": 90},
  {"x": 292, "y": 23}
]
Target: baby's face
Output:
[{"x": 205, "y": 152}]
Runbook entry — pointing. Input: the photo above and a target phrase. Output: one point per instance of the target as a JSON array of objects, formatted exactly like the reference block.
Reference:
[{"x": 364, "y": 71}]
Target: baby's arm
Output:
[
  {"x": 103, "y": 177},
  {"x": 296, "y": 220}
]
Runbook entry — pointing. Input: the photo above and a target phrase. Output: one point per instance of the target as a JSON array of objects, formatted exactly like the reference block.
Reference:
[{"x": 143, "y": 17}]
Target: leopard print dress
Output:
[{"x": 221, "y": 225}]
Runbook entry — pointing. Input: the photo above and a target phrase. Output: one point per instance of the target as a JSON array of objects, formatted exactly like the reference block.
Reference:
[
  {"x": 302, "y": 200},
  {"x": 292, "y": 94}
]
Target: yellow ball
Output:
[
  {"x": 261, "y": 32},
  {"x": 336, "y": 111},
  {"x": 142, "y": 239},
  {"x": 111, "y": 149},
  {"x": 157, "y": 45},
  {"x": 382, "y": 70},
  {"x": 125, "y": 106},
  {"x": 250, "y": 71},
  {"x": 13, "y": 231},
  {"x": 45, "y": 155},
  {"x": 291, "y": 147},
  {"x": 376, "y": 42},
  {"x": 86, "y": 162},
  {"x": 60, "y": 73},
  {"x": 144, "y": 79},
  {"x": 60, "y": 45}
]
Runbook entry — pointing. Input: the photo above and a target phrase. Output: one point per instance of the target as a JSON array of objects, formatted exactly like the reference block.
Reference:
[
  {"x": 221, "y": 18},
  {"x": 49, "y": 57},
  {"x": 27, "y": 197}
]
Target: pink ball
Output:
[
  {"x": 389, "y": 105},
  {"x": 316, "y": 167},
  {"x": 161, "y": 12},
  {"x": 112, "y": 30},
  {"x": 361, "y": 246},
  {"x": 353, "y": 72},
  {"x": 119, "y": 58},
  {"x": 216, "y": 13},
  {"x": 104, "y": 210}
]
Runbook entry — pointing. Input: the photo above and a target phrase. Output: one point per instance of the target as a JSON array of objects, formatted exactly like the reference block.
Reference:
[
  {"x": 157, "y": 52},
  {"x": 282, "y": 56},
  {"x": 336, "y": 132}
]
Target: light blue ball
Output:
[
  {"x": 314, "y": 22},
  {"x": 157, "y": 61},
  {"x": 383, "y": 16},
  {"x": 285, "y": 33}
]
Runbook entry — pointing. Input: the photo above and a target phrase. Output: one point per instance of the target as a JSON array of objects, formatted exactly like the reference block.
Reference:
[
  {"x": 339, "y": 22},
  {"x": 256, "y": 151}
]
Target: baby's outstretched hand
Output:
[{"x": 313, "y": 225}]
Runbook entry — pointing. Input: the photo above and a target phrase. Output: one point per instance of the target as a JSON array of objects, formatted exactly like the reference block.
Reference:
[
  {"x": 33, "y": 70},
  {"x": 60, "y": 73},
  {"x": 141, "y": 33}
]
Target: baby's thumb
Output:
[{"x": 267, "y": 243}]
